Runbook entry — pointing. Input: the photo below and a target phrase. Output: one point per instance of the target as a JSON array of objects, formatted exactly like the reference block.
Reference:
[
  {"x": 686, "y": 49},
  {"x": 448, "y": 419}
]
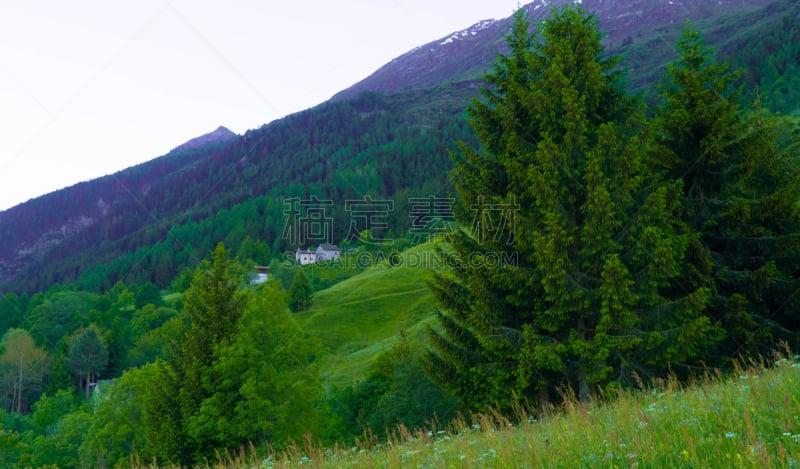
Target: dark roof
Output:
[{"x": 328, "y": 247}]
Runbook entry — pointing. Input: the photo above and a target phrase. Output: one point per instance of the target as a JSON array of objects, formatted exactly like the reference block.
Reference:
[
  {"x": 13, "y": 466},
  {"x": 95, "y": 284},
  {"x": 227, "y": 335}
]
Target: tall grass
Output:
[{"x": 750, "y": 419}]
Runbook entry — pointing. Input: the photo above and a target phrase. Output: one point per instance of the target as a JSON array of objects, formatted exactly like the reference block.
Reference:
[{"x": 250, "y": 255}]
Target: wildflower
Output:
[{"x": 730, "y": 435}]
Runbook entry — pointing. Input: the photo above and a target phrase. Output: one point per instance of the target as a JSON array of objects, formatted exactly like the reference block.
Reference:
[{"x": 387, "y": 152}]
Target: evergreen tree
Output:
[
  {"x": 300, "y": 292},
  {"x": 740, "y": 193},
  {"x": 561, "y": 192},
  {"x": 264, "y": 385},
  {"x": 213, "y": 308}
]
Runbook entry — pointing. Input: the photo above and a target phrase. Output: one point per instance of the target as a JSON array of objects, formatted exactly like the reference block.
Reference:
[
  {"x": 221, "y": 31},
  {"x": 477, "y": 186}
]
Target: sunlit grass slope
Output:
[{"x": 359, "y": 317}]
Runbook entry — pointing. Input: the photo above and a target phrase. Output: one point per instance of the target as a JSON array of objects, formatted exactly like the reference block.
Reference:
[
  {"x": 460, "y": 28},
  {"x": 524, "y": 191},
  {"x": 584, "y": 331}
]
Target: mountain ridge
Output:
[{"x": 468, "y": 53}]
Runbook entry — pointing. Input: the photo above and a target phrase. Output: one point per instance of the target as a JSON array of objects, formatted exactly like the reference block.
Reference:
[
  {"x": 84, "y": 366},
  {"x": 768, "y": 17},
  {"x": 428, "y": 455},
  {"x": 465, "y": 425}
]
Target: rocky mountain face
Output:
[{"x": 467, "y": 54}]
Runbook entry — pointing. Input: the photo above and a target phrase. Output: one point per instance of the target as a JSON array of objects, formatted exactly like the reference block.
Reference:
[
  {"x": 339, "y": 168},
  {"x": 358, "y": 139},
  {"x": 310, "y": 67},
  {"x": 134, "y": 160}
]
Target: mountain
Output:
[
  {"x": 219, "y": 135},
  {"x": 467, "y": 54},
  {"x": 337, "y": 151},
  {"x": 386, "y": 136}
]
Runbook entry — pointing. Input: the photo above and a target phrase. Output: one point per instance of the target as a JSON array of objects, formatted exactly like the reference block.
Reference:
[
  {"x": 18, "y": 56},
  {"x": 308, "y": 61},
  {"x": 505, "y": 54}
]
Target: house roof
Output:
[{"x": 328, "y": 247}]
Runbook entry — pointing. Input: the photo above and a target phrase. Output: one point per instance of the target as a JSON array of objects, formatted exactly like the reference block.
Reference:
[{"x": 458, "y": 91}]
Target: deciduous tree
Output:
[
  {"x": 24, "y": 367},
  {"x": 88, "y": 357},
  {"x": 264, "y": 384},
  {"x": 300, "y": 292}
]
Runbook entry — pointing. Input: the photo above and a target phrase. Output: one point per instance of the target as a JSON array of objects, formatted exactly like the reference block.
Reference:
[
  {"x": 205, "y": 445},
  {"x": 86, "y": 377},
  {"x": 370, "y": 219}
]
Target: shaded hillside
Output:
[
  {"x": 357, "y": 144},
  {"x": 371, "y": 145}
]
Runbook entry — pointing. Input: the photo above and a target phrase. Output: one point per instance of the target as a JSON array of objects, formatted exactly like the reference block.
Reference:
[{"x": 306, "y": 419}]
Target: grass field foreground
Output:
[{"x": 751, "y": 419}]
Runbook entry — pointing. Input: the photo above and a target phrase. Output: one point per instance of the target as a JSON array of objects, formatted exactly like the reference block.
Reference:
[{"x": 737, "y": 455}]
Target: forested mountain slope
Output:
[{"x": 357, "y": 144}]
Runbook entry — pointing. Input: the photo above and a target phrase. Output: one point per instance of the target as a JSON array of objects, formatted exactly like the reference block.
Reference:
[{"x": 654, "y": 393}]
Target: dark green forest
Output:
[
  {"x": 650, "y": 231},
  {"x": 168, "y": 213}
]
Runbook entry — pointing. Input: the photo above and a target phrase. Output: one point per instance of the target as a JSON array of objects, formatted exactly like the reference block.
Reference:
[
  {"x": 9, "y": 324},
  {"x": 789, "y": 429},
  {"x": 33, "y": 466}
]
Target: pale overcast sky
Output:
[{"x": 91, "y": 87}]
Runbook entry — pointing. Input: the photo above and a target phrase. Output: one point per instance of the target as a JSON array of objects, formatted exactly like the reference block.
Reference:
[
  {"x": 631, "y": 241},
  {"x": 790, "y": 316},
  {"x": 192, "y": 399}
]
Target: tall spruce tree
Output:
[
  {"x": 213, "y": 308},
  {"x": 562, "y": 194},
  {"x": 740, "y": 196}
]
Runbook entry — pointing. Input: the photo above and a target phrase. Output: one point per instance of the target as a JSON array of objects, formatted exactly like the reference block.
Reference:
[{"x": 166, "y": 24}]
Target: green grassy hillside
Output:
[
  {"x": 359, "y": 317},
  {"x": 748, "y": 420}
]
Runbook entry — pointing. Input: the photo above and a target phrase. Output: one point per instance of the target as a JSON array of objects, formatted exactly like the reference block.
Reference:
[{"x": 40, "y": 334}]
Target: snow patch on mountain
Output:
[{"x": 471, "y": 31}]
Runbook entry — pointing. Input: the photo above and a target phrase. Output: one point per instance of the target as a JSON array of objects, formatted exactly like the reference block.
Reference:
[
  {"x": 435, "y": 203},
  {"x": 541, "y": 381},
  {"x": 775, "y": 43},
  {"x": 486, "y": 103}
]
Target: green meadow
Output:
[{"x": 361, "y": 316}]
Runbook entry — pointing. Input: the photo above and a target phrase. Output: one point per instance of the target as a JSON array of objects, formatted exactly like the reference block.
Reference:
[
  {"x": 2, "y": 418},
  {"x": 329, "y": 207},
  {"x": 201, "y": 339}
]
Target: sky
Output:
[{"x": 88, "y": 88}]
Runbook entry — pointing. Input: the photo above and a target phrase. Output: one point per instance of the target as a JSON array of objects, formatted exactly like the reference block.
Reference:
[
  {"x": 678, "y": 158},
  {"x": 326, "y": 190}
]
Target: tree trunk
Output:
[
  {"x": 18, "y": 397},
  {"x": 583, "y": 388},
  {"x": 543, "y": 402},
  {"x": 583, "y": 385}
]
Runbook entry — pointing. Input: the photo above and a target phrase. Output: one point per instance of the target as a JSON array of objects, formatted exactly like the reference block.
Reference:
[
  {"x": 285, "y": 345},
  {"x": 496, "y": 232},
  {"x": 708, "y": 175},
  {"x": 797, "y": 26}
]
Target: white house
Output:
[
  {"x": 260, "y": 274},
  {"x": 327, "y": 252},
  {"x": 324, "y": 252},
  {"x": 304, "y": 257}
]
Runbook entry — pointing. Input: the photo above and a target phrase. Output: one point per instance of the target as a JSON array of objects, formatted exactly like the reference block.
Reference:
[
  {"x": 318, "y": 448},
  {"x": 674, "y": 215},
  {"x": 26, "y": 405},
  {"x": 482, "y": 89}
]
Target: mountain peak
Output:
[{"x": 220, "y": 134}]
